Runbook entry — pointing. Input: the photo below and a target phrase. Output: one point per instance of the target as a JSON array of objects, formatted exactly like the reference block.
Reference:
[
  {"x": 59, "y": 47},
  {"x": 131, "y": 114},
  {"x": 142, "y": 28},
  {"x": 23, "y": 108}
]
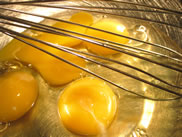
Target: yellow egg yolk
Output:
[
  {"x": 107, "y": 25},
  {"x": 18, "y": 93},
  {"x": 54, "y": 71},
  {"x": 86, "y": 106},
  {"x": 82, "y": 18}
]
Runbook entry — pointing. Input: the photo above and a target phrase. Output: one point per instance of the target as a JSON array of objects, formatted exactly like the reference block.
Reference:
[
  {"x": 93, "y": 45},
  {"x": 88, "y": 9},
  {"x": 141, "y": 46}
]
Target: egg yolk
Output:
[
  {"x": 86, "y": 106},
  {"x": 82, "y": 18},
  {"x": 54, "y": 71},
  {"x": 107, "y": 25},
  {"x": 18, "y": 93}
]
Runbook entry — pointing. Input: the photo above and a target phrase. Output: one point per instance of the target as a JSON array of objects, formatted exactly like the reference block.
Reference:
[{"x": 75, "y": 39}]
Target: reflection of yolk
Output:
[
  {"x": 107, "y": 25},
  {"x": 80, "y": 18},
  {"x": 85, "y": 105},
  {"x": 18, "y": 92},
  {"x": 54, "y": 71}
]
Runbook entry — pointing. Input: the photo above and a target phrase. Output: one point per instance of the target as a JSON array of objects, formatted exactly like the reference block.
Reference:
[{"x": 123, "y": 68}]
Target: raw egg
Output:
[
  {"x": 82, "y": 18},
  {"x": 54, "y": 71},
  {"x": 107, "y": 25},
  {"x": 87, "y": 106},
  {"x": 18, "y": 93}
]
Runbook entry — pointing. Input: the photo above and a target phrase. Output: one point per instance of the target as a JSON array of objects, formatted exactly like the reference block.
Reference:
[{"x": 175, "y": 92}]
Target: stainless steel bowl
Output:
[{"x": 138, "y": 118}]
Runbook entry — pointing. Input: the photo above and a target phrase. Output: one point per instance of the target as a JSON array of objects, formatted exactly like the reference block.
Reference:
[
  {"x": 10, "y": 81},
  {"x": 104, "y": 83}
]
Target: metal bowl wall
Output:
[{"x": 166, "y": 118}]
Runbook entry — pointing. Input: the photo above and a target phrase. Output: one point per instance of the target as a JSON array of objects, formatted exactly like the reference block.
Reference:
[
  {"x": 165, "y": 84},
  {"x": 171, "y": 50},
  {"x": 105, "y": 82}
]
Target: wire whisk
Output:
[{"x": 172, "y": 60}]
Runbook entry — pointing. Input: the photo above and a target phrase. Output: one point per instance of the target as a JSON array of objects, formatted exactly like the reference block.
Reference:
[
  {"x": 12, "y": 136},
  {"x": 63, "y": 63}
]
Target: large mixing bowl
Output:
[{"x": 141, "y": 118}]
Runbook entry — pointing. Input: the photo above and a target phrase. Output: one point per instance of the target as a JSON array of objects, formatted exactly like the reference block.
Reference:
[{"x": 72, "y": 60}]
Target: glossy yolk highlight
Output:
[
  {"x": 83, "y": 18},
  {"x": 54, "y": 71},
  {"x": 18, "y": 93},
  {"x": 107, "y": 25},
  {"x": 86, "y": 106}
]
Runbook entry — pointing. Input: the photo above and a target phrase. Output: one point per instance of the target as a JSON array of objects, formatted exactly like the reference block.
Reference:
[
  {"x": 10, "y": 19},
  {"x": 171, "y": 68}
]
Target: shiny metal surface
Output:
[{"x": 135, "y": 117}]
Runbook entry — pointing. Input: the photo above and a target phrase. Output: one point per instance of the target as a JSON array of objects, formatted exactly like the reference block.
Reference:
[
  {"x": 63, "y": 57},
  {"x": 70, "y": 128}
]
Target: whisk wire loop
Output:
[
  {"x": 122, "y": 48},
  {"x": 14, "y": 34}
]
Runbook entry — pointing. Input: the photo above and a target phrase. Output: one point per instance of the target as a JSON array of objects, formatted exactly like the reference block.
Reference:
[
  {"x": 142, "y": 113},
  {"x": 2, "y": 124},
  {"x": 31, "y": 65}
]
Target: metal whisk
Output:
[{"x": 171, "y": 61}]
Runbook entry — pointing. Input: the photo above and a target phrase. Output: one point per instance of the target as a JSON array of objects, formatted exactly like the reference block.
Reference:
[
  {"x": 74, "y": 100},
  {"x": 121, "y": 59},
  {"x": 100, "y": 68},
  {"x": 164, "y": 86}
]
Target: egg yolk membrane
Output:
[
  {"x": 18, "y": 93},
  {"x": 86, "y": 106},
  {"x": 109, "y": 25}
]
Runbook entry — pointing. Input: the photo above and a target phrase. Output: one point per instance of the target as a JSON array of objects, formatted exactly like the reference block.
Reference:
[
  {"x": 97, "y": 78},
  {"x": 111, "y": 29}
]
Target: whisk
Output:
[{"x": 137, "y": 52}]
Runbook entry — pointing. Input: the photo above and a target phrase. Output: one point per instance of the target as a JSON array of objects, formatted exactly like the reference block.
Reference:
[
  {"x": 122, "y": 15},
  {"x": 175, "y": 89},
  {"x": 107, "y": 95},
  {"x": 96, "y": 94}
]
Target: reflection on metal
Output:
[
  {"x": 138, "y": 32},
  {"x": 3, "y": 126},
  {"x": 147, "y": 114},
  {"x": 40, "y": 11},
  {"x": 139, "y": 133},
  {"x": 144, "y": 89}
]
